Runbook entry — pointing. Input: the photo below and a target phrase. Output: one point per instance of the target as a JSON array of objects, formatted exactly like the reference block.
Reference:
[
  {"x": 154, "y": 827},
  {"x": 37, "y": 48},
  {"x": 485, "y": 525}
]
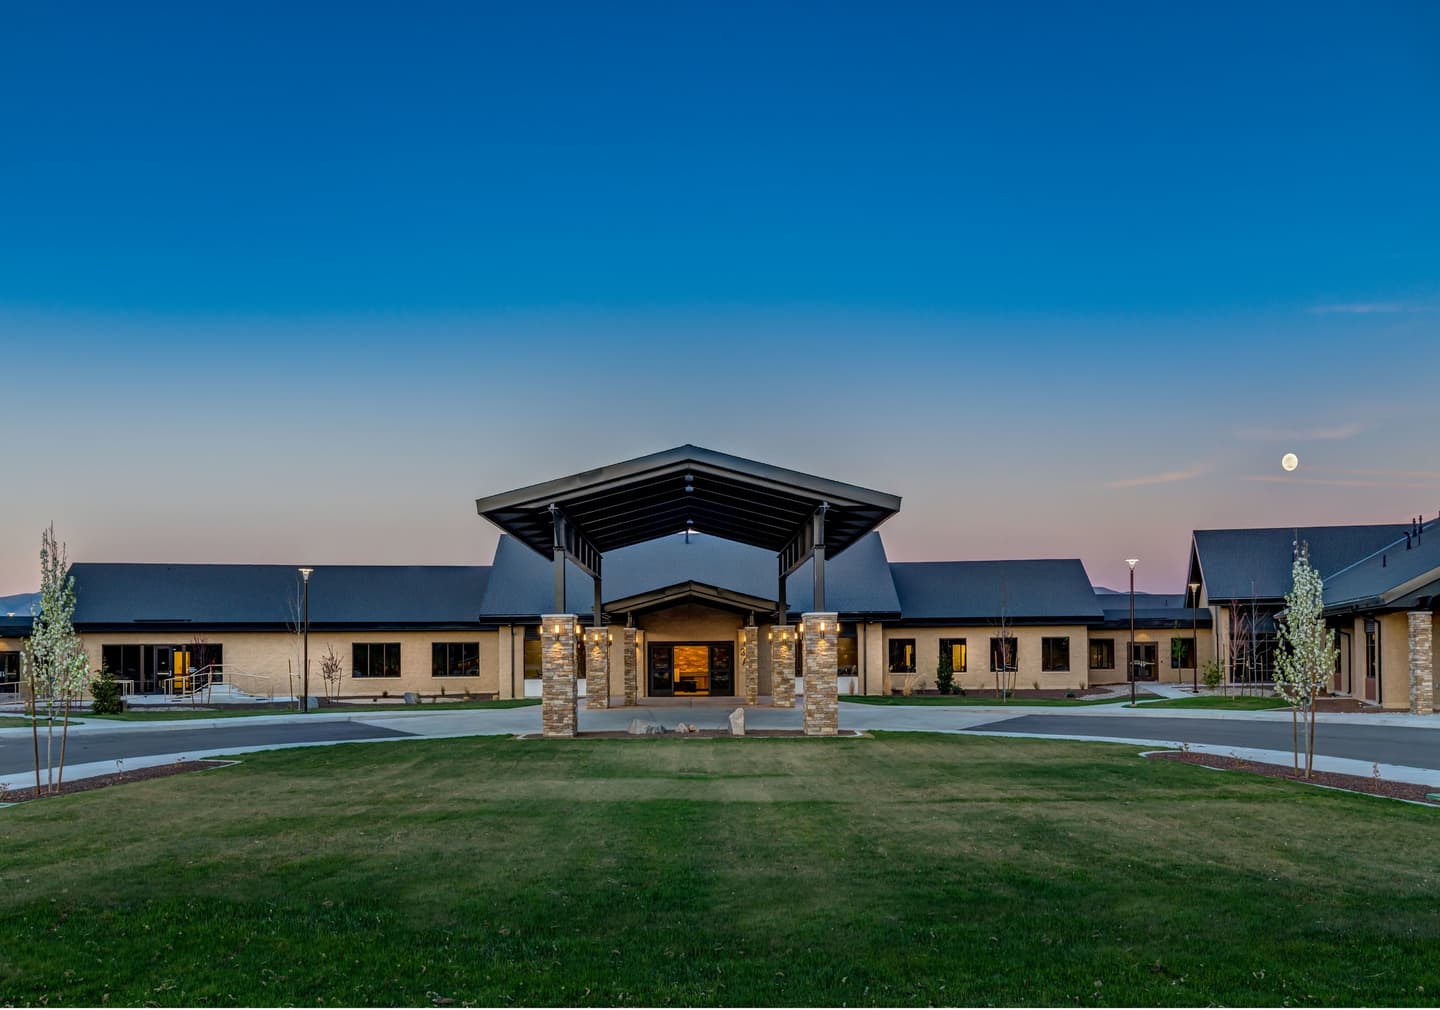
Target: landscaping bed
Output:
[
  {"x": 21, "y": 793},
  {"x": 1371, "y": 784}
]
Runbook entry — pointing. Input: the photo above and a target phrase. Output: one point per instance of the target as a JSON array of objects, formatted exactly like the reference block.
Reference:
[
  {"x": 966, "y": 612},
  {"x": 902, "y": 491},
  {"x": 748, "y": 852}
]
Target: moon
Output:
[{"x": 1289, "y": 461}]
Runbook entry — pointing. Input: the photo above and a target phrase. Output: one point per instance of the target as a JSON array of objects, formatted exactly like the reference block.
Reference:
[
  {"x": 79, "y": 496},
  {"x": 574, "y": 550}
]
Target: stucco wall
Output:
[
  {"x": 257, "y": 659},
  {"x": 977, "y": 639}
]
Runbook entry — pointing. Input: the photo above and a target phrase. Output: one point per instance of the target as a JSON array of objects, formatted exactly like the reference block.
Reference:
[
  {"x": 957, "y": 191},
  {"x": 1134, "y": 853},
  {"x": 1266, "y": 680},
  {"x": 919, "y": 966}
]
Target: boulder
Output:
[
  {"x": 737, "y": 722},
  {"x": 644, "y": 727}
]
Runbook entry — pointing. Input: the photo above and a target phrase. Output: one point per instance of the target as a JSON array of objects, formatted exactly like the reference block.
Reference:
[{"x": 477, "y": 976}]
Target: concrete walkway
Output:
[{"x": 1407, "y": 748}]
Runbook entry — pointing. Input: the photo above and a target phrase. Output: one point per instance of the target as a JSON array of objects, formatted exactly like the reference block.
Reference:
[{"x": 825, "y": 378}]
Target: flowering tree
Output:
[
  {"x": 1306, "y": 654},
  {"x": 57, "y": 669}
]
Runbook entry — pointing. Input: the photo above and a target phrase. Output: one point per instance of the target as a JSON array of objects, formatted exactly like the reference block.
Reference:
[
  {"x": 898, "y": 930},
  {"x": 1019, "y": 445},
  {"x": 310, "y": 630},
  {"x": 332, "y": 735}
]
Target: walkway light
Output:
[
  {"x": 305, "y": 620},
  {"x": 1130, "y": 657}
]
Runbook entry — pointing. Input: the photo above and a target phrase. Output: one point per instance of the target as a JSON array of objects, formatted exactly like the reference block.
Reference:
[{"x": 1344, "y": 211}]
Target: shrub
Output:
[
  {"x": 944, "y": 675},
  {"x": 1213, "y": 674},
  {"x": 105, "y": 693}
]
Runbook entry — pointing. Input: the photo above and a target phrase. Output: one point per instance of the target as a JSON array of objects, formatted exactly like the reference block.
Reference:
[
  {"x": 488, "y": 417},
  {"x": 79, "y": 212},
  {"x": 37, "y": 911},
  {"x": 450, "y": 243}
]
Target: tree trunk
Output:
[
  {"x": 50, "y": 745},
  {"x": 64, "y": 739},
  {"x": 35, "y": 732},
  {"x": 1295, "y": 736},
  {"x": 1310, "y": 747}
]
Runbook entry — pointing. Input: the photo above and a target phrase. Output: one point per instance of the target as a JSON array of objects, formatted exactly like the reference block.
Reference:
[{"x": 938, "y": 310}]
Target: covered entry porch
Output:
[{"x": 691, "y": 639}]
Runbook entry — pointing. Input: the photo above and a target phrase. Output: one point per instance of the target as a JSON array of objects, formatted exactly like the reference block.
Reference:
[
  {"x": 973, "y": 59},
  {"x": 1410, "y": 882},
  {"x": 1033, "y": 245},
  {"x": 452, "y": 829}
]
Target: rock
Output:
[
  {"x": 686, "y": 728},
  {"x": 643, "y": 727},
  {"x": 737, "y": 722}
]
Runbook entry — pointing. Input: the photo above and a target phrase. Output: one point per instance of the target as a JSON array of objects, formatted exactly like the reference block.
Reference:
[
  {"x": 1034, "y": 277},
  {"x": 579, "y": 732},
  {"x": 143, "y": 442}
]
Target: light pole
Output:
[
  {"x": 1130, "y": 654},
  {"x": 1194, "y": 638},
  {"x": 305, "y": 623}
]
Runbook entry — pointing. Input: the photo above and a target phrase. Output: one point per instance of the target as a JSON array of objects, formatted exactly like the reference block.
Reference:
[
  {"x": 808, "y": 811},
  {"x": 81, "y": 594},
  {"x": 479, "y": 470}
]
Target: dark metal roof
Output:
[
  {"x": 1152, "y": 610},
  {"x": 107, "y": 595},
  {"x": 1255, "y": 563},
  {"x": 857, "y": 582},
  {"x": 641, "y": 499},
  {"x": 1028, "y": 591},
  {"x": 1388, "y": 574}
]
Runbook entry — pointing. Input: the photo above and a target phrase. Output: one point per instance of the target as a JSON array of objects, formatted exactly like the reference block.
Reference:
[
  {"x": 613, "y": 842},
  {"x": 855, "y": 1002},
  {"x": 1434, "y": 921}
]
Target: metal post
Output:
[
  {"x": 1132, "y": 635},
  {"x": 818, "y": 571},
  {"x": 597, "y": 603},
  {"x": 783, "y": 610},
  {"x": 559, "y": 580},
  {"x": 1195, "y": 638},
  {"x": 305, "y": 654}
]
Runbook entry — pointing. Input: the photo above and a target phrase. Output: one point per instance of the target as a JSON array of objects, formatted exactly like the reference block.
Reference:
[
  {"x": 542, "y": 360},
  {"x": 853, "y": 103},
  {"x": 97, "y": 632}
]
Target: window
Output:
[
  {"x": 1003, "y": 654},
  {"x": 1102, "y": 653},
  {"x": 847, "y": 652},
  {"x": 376, "y": 659},
  {"x": 9, "y": 672},
  {"x": 123, "y": 662},
  {"x": 534, "y": 667},
  {"x": 1182, "y": 653},
  {"x": 902, "y": 655},
  {"x": 1055, "y": 653},
  {"x": 455, "y": 659},
  {"x": 955, "y": 649}
]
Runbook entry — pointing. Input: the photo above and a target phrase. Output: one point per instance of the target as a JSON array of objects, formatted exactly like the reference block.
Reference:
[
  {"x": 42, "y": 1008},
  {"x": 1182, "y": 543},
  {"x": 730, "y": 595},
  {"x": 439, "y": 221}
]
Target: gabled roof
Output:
[
  {"x": 628, "y": 503},
  {"x": 265, "y": 595},
  {"x": 1255, "y": 563},
  {"x": 1028, "y": 591},
  {"x": 1388, "y": 575},
  {"x": 857, "y": 582}
]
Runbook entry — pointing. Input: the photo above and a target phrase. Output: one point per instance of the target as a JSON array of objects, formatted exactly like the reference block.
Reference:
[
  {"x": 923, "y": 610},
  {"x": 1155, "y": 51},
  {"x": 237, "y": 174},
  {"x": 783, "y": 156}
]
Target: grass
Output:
[
  {"x": 986, "y": 698},
  {"x": 164, "y": 715},
  {"x": 16, "y": 721},
  {"x": 899, "y": 869},
  {"x": 1240, "y": 703}
]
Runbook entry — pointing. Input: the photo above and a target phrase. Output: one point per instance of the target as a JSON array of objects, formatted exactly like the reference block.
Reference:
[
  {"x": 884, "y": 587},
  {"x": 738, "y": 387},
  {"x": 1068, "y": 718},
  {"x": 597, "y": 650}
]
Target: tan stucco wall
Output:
[
  {"x": 271, "y": 658},
  {"x": 977, "y": 640}
]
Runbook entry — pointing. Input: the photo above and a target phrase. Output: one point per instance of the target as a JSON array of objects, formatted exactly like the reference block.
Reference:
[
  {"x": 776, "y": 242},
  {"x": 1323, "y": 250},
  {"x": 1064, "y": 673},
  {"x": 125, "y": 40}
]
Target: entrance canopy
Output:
[{"x": 796, "y": 515}]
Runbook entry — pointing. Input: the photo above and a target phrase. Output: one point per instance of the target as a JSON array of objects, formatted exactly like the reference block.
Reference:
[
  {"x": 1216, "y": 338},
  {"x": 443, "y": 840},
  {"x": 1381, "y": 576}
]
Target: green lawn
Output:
[
  {"x": 14, "y": 721},
  {"x": 986, "y": 698},
  {"x": 1242, "y": 703},
  {"x": 901, "y": 869},
  {"x": 160, "y": 715}
]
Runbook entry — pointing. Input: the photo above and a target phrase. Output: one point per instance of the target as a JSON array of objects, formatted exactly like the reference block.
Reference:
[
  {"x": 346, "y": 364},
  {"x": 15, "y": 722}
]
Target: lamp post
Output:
[
  {"x": 1194, "y": 638},
  {"x": 1130, "y": 654},
  {"x": 305, "y": 623}
]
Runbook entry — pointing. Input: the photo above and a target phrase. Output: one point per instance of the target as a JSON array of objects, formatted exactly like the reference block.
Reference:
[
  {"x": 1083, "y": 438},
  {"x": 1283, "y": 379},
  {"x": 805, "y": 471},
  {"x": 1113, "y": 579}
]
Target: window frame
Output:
[
  {"x": 890, "y": 665},
  {"x": 1178, "y": 662},
  {"x": 1047, "y": 644},
  {"x": 454, "y": 658},
  {"x": 1012, "y": 647},
  {"x": 951, "y": 643},
  {"x": 370, "y": 665},
  {"x": 1109, "y": 643}
]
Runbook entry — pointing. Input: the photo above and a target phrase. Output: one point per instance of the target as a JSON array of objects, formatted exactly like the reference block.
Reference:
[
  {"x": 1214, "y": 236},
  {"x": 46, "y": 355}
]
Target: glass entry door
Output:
[
  {"x": 691, "y": 669},
  {"x": 1146, "y": 662}
]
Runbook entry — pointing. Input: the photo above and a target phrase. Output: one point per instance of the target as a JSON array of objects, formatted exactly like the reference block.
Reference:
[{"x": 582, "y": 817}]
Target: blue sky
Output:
[{"x": 281, "y": 280}]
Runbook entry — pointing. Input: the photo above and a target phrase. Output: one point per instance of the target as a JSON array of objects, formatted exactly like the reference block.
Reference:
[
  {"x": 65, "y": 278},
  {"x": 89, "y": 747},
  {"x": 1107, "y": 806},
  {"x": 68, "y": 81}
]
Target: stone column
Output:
[
  {"x": 557, "y": 669},
  {"x": 1422, "y": 662},
  {"x": 597, "y": 668},
  {"x": 822, "y": 702},
  {"x": 750, "y": 663},
  {"x": 782, "y": 666},
  {"x": 632, "y": 668}
]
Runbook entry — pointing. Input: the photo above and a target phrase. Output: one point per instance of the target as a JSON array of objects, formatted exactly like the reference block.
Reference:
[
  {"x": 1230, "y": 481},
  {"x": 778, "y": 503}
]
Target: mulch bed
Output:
[
  {"x": 20, "y": 793},
  {"x": 1355, "y": 783},
  {"x": 1020, "y": 694},
  {"x": 699, "y": 734}
]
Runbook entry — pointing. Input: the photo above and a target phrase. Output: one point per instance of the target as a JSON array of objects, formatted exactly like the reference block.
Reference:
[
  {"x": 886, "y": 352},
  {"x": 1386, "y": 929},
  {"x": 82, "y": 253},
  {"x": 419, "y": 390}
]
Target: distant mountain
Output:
[{"x": 19, "y": 604}]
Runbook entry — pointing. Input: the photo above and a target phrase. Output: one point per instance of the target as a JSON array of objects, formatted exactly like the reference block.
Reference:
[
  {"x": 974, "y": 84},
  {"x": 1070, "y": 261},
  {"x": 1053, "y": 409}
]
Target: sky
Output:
[{"x": 297, "y": 283}]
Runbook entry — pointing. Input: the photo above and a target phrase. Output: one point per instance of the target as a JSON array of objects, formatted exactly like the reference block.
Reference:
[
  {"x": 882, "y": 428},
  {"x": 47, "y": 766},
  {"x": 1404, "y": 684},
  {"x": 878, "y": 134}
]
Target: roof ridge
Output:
[{"x": 1392, "y": 545}]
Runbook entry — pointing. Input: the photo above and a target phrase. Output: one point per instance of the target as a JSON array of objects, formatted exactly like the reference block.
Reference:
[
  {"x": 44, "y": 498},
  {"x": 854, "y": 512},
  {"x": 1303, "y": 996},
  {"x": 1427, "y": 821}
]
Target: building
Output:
[{"x": 696, "y": 570}]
